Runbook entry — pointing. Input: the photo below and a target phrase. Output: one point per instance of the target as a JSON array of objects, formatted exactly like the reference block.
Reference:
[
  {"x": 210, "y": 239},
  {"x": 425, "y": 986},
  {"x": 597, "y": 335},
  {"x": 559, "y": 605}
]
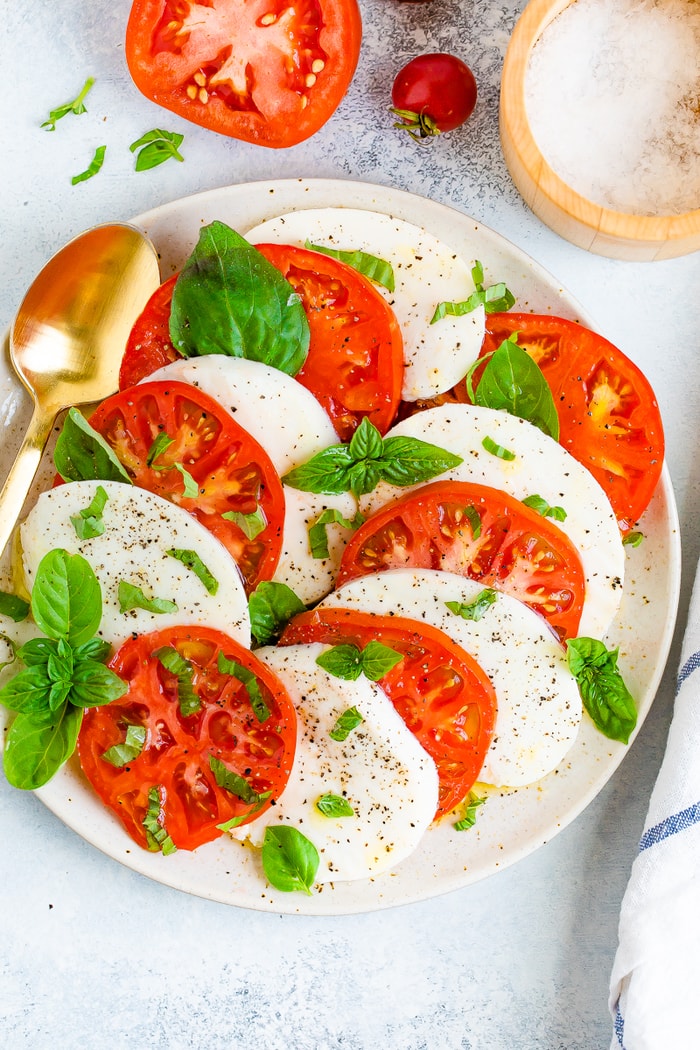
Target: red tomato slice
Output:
[
  {"x": 178, "y": 747},
  {"x": 231, "y": 471},
  {"x": 477, "y": 532},
  {"x": 265, "y": 71},
  {"x": 355, "y": 362},
  {"x": 443, "y": 695},
  {"x": 148, "y": 347}
]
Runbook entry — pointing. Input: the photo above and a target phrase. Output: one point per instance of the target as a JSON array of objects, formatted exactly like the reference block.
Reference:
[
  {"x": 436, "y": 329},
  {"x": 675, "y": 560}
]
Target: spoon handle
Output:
[{"x": 22, "y": 471}]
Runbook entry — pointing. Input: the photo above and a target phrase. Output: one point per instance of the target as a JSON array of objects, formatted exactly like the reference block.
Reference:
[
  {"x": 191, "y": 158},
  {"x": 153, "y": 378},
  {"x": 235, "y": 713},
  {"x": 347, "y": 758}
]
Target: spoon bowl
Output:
[{"x": 69, "y": 335}]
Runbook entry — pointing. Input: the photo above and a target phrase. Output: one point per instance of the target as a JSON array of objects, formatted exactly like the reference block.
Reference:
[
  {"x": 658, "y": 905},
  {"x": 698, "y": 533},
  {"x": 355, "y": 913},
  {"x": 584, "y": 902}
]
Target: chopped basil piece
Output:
[
  {"x": 495, "y": 299},
  {"x": 497, "y": 450},
  {"x": 81, "y": 454},
  {"x": 13, "y": 606},
  {"x": 88, "y": 522},
  {"x": 605, "y": 696},
  {"x": 161, "y": 443},
  {"x": 271, "y": 606},
  {"x": 155, "y": 147},
  {"x": 290, "y": 860},
  {"x": 76, "y": 106},
  {"x": 132, "y": 597},
  {"x": 120, "y": 755},
  {"x": 92, "y": 168},
  {"x": 633, "y": 539},
  {"x": 540, "y": 504},
  {"x": 249, "y": 682},
  {"x": 191, "y": 560},
  {"x": 177, "y": 664},
  {"x": 476, "y": 608},
  {"x": 378, "y": 270},
  {"x": 334, "y": 806},
  {"x": 251, "y": 525},
  {"x": 469, "y": 819},
  {"x": 345, "y": 724},
  {"x": 472, "y": 516},
  {"x": 157, "y": 838},
  {"x": 235, "y": 783},
  {"x": 349, "y": 661},
  {"x": 318, "y": 534}
]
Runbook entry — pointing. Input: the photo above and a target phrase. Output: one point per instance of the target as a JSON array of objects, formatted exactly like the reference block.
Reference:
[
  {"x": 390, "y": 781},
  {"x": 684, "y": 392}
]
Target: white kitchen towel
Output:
[{"x": 655, "y": 981}]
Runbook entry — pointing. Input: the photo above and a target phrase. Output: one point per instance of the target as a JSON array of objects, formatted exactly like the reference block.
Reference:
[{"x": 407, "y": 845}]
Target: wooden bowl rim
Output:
[{"x": 535, "y": 18}]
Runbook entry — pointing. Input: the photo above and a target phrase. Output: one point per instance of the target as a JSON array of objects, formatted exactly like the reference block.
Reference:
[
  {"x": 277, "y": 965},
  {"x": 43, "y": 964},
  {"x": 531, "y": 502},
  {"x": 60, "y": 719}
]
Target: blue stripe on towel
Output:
[
  {"x": 619, "y": 1025},
  {"x": 686, "y": 818},
  {"x": 690, "y": 665}
]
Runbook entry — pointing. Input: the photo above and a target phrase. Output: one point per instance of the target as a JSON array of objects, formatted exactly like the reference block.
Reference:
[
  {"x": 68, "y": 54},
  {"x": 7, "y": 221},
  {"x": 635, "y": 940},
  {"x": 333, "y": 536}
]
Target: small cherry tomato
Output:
[{"x": 432, "y": 94}]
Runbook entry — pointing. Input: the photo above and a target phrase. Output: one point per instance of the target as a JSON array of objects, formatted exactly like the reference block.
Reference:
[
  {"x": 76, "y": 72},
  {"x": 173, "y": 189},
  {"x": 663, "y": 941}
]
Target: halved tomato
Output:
[
  {"x": 609, "y": 418},
  {"x": 210, "y": 466},
  {"x": 265, "y": 71},
  {"x": 183, "y": 746},
  {"x": 148, "y": 347},
  {"x": 481, "y": 533},
  {"x": 443, "y": 695},
  {"x": 355, "y": 362}
]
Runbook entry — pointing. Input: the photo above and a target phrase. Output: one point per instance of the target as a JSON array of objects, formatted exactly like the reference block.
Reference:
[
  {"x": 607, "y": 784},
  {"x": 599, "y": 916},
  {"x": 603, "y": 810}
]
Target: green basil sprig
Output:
[
  {"x": 605, "y": 696},
  {"x": 378, "y": 270},
  {"x": 155, "y": 147},
  {"x": 494, "y": 299},
  {"x": 290, "y": 860},
  {"x": 345, "y": 723},
  {"x": 368, "y": 458},
  {"x": 13, "y": 606},
  {"x": 63, "y": 672},
  {"x": 540, "y": 504},
  {"x": 513, "y": 382},
  {"x": 81, "y": 454},
  {"x": 475, "y": 609},
  {"x": 348, "y": 661},
  {"x": 271, "y": 606},
  {"x": 230, "y": 300},
  {"x": 76, "y": 106}
]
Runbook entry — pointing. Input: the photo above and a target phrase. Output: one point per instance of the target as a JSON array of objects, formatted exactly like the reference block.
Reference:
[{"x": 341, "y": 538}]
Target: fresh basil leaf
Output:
[
  {"x": 36, "y": 747},
  {"x": 342, "y": 661},
  {"x": 378, "y": 270},
  {"x": 334, "y": 806},
  {"x": 476, "y": 608},
  {"x": 76, "y": 106},
  {"x": 92, "y": 168},
  {"x": 271, "y": 606},
  {"x": 497, "y": 450},
  {"x": 36, "y": 652},
  {"x": 326, "y": 472},
  {"x": 472, "y": 516},
  {"x": 157, "y": 838},
  {"x": 191, "y": 560},
  {"x": 27, "y": 692},
  {"x": 95, "y": 649},
  {"x": 14, "y": 607},
  {"x": 93, "y": 684},
  {"x": 66, "y": 597},
  {"x": 378, "y": 659},
  {"x": 410, "y": 461},
  {"x": 230, "y": 300},
  {"x": 155, "y": 147},
  {"x": 605, "y": 696},
  {"x": 251, "y": 525},
  {"x": 318, "y": 535},
  {"x": 88, "y": 522},
  {"x": 469, "y": 818},
  {"x": 249, "y": 681},
  {"x": 81, "y": 454},
  {"x": 495, "y": 299},
  {"x": 345, "y": 723},
  {"x": 366, "y": 442},
  {"x": 11, "y": 650},
  {"x": 119, "y": 755},
  {"x": 235, "y": 783},
  {"x": 177, "y": 664},
  {"x": 190, "y": 489},
  {"x": 290, "y": 861},
  {"x": 132, "y": 597},
  {"x": 158, "y": 447},
  {"x": 513, "y": 382},
  {"x": 632, "y": 539},
  {"x": 540, "y": 504}
]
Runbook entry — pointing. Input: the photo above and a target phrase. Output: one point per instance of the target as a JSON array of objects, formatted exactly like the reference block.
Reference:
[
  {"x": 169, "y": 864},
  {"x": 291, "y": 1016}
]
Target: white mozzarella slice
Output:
[
  {"x": 291, "y": 426},
  {"x": 539, "y": 706},
  {"x": 427, "y": 272},
  {"x": 139, "y": 529},
  {"x": 380, "y": 769},
  {"x": 541, "y": 466}
]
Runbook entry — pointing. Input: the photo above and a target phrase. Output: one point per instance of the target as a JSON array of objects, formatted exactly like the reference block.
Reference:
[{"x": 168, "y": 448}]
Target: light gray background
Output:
[{"x": 93, "y": 955}]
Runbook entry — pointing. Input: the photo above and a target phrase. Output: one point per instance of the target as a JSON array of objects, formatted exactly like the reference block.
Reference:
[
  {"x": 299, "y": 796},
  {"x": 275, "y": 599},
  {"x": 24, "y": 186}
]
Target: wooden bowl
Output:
[{"x": 618, "y": 235}]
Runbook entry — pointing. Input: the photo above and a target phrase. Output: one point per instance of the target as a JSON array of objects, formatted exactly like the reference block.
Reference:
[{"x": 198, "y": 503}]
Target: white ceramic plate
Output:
[{"x": 513, "y": 823}]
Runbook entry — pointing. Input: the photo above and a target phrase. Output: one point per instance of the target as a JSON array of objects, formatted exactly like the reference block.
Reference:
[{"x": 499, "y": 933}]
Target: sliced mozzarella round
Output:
[
  {"x": 426, "y": 271},
  {"x": 139, "y": 530},
  {"x": 290, "y": 424},
  {"x": 380, "y": 769},
  {"x": 540, "y": 466},
  {"x": 539, "y": 706}
]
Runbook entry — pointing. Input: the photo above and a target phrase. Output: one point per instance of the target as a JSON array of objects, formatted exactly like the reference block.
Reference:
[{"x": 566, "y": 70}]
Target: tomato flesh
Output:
[
  {"x": 266, "y": 71},
  {"x": 355, "y": 362},
  {"x": 443, "y": 695},
  {"x": 149, "y": 347},
  {"x": 231, "y": 471},
  {"x": 176, "y": 755},
  {"x": 481, "y": 533}
]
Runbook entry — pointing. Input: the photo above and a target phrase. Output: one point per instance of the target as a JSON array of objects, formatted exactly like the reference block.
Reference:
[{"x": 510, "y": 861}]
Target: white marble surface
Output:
[{"x": 93, "y": 955}]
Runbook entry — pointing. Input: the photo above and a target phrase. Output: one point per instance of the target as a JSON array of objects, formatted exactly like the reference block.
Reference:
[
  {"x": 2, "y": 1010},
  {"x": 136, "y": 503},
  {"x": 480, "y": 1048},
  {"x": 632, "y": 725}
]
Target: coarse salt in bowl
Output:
[{"x": 600, "y": 122}]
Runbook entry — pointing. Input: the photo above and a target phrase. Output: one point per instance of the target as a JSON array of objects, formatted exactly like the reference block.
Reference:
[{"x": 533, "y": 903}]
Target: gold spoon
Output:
[{"x": 69, "y": 336}]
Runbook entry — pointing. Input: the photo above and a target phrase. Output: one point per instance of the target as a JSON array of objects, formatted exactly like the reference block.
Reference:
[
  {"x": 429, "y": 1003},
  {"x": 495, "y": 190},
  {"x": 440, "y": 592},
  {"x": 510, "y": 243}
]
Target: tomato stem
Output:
[{"x": 419, "y": 126}]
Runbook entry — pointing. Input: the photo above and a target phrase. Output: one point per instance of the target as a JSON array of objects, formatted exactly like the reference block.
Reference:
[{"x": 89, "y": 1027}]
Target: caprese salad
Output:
[{"x": 338, "y": 558}]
